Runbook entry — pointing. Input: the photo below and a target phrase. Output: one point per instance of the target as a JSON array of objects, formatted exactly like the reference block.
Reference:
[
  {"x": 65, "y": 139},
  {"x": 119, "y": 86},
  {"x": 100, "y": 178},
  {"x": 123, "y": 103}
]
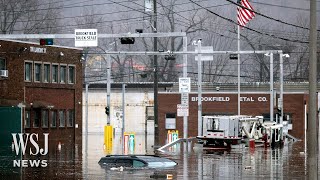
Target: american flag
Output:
[{"x": 244, "y": 15}]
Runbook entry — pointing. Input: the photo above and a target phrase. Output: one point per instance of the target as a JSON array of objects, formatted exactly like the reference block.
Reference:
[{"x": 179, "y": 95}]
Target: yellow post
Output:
[{"x": 108, "y": 138}]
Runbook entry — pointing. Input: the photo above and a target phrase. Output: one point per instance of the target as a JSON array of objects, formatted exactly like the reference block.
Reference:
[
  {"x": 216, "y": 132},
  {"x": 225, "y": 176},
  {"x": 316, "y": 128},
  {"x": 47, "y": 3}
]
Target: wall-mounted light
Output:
[
  {"x": 61, "y": 54},
  {"x": 22, "y": 49},
  {"x": 82, "y": 59},
  {"x": 286, "y": 55}
]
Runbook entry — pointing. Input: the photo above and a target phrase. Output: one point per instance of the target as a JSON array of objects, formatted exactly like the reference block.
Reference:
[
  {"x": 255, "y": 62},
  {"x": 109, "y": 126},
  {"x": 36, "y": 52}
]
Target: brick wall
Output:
[
  {"x": 254, "y": 104},
  {"x": 61, "y": 96}
]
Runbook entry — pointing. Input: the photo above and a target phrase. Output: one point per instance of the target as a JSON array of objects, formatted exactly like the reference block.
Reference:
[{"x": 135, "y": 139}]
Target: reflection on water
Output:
[{"x": 239, "y": 163}]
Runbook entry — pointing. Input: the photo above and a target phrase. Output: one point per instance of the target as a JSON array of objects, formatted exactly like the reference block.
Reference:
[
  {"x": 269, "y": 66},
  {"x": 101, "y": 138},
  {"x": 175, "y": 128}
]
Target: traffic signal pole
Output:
[{"x": 108, "y": 86}]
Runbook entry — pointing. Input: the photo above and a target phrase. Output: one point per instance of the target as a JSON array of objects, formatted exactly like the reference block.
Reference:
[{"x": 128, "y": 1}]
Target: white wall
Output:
[{"x": 136, "y": 102}]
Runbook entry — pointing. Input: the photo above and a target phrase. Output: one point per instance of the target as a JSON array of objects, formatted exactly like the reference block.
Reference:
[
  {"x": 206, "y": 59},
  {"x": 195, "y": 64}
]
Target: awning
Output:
[
  {"x": 9, "y": 102},
  {"x": 40, "y": 104}
]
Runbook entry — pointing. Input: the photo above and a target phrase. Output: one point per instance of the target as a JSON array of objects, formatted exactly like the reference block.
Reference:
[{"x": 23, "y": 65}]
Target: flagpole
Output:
[{"x": 239, "y": 70}]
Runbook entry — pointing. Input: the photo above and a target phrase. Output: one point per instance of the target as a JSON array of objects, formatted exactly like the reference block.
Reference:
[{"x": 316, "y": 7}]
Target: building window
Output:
[
  {"x": 170, "y": 121},
  {"x": 37, "y": 72},
  {"x": 36, "y": 119},
  {"x": 46, "y": 73},
  {"x": 61, "y": 118},
  {"x": 27, "y": 71},
  {"x": 53, "y": 119},
  {"x": 55, "y": 73},
  {"x": 150, "y": 113},
  {"x": 70, "y": 118},
  {"x": 71, "y": 74},
  {"x": 2, "y": 64},
  {"x": 27, "y": 119},
  {"x": 63, "y": 73},
  {"x": 45, "y": 118}
]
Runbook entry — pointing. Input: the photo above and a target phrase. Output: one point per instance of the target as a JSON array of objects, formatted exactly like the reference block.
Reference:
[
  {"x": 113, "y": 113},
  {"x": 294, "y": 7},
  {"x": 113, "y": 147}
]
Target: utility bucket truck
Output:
[{"x": 220, "y": 132}]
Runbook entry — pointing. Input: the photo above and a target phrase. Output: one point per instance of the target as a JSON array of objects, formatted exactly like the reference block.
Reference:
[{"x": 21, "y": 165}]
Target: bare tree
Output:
[
  {"x": 257, "y": 66},
  {"x": 28, "y": 16},
  {"x": 171, "y": 21}
]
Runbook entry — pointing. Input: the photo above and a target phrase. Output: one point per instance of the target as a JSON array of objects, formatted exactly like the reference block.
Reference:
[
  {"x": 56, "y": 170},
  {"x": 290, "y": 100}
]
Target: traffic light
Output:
[
  {"x": 170, "y": 57},
  {"x": 107, "y": 110},
  {"x": 46, "y": 41},
  {"x": 279, "y": 111},
  {"x": 127, "y": 40}
]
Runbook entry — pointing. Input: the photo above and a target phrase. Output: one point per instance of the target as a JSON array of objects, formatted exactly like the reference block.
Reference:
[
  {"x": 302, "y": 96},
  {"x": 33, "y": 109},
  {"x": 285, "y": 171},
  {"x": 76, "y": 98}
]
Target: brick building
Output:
[
  {"x": 48, "y": 81},
  {"x": 255, "y": 102},
  {"x": 139, "y": 106}
]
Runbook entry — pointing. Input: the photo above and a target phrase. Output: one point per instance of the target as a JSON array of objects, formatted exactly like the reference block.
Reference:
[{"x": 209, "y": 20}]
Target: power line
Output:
[
  {"x": 268, "y": 17},
  {"x": 287, "y": 7},
  {"x": 233, "y": 22}
]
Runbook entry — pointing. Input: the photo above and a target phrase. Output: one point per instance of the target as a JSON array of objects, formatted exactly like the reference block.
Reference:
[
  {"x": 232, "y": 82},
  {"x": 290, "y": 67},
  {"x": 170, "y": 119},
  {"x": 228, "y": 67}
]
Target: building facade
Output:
[
  {"x": 255, "y": 101},
  {"x": 47, "y": 82},
  {"x": 219, "y": 103}
]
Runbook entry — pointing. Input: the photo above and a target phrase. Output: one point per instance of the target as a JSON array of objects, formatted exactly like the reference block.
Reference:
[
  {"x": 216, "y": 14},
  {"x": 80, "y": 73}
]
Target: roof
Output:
[
  {"x": 173, "y": 87},
  {"x": 34, "y": 43},
  {"x": 129, "y": 85},
  {"x": 9, "y": 102}
]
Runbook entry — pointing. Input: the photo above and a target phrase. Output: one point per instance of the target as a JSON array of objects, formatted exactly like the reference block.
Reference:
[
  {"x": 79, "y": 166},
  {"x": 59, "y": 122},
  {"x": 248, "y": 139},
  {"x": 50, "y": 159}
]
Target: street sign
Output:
[
  {"x": 205, "y": 49},
  {"x": 184, "y": 98},
  {"x": 184, "y": 85},
  {"x": 86, "y": 37},
  {"x": 182, "y": 110},
  {"x": 148, "y": 5}
]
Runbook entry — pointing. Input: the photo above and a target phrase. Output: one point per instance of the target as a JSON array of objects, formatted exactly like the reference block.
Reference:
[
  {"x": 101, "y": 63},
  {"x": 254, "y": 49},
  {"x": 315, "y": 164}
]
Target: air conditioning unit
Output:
[{"x": 3, "y": 73}]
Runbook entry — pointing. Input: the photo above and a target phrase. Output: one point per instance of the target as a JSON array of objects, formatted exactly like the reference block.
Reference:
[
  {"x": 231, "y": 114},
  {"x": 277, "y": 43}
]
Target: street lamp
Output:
[
  {"x": 271, "y": 84},
  {"x": 281, "y": 85}
]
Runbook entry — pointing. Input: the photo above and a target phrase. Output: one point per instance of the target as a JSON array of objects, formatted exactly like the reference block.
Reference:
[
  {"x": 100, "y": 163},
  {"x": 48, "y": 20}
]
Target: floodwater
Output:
[{"x": 81, "y": 162}]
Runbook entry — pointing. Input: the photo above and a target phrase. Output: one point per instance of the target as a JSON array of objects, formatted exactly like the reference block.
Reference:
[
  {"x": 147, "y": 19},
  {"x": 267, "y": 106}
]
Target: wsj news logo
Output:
[{"x": 21, "y": 145}]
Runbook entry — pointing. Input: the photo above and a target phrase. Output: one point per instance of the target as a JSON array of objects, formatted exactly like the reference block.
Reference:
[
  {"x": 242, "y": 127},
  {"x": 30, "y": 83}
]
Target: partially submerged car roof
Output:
[{"x": 151, "y": 161}]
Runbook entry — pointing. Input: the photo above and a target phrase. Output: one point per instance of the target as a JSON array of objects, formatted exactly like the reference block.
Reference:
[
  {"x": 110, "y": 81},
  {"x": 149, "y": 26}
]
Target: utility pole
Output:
[
  {"x": 199, "y": 90},
  {"x": 312, "y": 141},
  {"x": 155, "y": 66}
]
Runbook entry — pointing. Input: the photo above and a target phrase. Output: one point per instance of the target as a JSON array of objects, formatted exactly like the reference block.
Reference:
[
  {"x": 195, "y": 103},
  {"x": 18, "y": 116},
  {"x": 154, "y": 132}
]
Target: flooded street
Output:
[{"x": 240, "y": 163}]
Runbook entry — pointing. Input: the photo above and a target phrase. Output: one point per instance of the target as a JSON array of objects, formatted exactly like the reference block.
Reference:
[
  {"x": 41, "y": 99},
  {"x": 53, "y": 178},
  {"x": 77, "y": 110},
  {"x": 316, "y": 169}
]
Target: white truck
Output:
[{"x": 220, "y": 131}]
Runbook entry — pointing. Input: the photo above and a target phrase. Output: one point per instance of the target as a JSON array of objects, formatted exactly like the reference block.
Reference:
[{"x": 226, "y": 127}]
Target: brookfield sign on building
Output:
[
  {"x": 226, "y": 99},
  {"x": 86, "y": 38}
]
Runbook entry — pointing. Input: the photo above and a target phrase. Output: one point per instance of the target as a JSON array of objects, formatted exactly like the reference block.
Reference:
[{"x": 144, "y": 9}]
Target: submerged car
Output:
[{"x": 136, "y": 161}]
